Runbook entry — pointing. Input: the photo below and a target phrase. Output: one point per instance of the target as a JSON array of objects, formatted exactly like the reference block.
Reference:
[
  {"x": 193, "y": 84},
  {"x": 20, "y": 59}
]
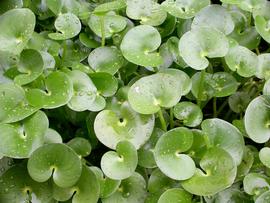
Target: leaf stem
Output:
[
  {"x": 223, "y": 105},
  {"x": 162, "y": 120},
  {"x": 199, "y": 99},
  {"x": 214, "y": 107},
  {"x": 102, "y": 29},
  {"x": 257, "y": 51},
  {"x": 171, "y": 118}
]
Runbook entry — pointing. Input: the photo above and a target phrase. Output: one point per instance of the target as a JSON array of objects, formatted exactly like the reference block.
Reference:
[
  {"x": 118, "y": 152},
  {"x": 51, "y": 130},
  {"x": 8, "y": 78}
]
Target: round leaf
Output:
[
  {"x": 58, "y": 92},
  {"x": 14, "y": 106},
  {"x": 85, "y": 190},
  {"x": 175, "y": 195},
  {"x": 123, "y": 123},
  {"x": 263, "y": 197},
  {"x": 255, "y": 183},
  {"x": 19, "y": 140},
  {"x": 14, "y": 38},
  {"x": 139, "y": 45},
  {"x": 30, "y": 65},
  {"x": 106, "y": 59},
  {"x": 68, "y": 26},
  {"x": 224, "y": 135},
  {"x": 263, "y": 66},
  {"x": 56, "y": 160},
  {"x": 52, "y": 136},
  {"x": 131, "y": 190},
  {"x": 169, "y": 157},
  {"x": 215, "y": 16},
  {"x": 189, "y": 113},
  {"x": 80, "y": 145},
  {"x": 265, "y": 156},
  {"x": 184, "y": 9},
  {"x": 120, "y": 164},
  {"x": 257, "y": 119},
  {"x": 220, "y": 172},
  {"x": 196, "y": 45},
  {"x": 17, "y": 186},
  {"x": 242, "y": 60},
  {"x": 164, "y": 89}
]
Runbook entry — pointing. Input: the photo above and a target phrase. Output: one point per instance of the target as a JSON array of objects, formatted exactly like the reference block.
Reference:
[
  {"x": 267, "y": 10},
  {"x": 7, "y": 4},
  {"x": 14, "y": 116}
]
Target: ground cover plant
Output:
[{"x": 133, "y": 101}]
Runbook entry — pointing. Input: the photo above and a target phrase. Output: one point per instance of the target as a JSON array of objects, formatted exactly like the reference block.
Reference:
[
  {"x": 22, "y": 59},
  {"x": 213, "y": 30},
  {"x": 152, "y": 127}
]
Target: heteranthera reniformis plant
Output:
[{"x": 134, "y": 101}]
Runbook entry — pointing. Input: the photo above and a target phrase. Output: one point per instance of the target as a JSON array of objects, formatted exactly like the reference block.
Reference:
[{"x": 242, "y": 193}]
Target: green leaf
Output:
[
  {"x": 146, "y": 152},
  {"x": 239, "y": 101},
  {"x": 264, "y": 155},
  {"x": 57, "y": 92},
  {"x": 224, "y": 84},
  {"x": 169, "y": 154},
  {"x": 256, "y": 183},
  {"x": 56, "y": 160},
  {"x": 85, "y": 190},
  {"x": 257, "y": 119},
  {"x": 17, "y": 186},
  {"x": 139, "y": 46},
  {"x": 218, "y": 173},
  {"x": 106, "y": 59},
  {"x": 264, "y": 197},
  {"x": 123, "y": 123},
  {"x": 242, "y": 60},
  {"x": 19, "y": 140},
  {"x": 14, "y": 38},
  {"x": 30, "y": 65},
  {"x": 52, "y": 136},
  {"x": 224, "y": 135},
  {"x": 131, "y": 190},
  {"x": 215, "y": 16},
  {"x": 263, "y": 66},
  {"x": 84, "y": 92},
  {"x": 175, "y": 195},
  {"x": 110, "y": 6},
  {"x": 164, "y": 89},
  {"x": 121, "y": 164},
  {"x": 202, "y": 42},
  {"x": 187, "y": 112},
  {"x": 68, "y": 26},
  {"x": 112, "y": 24},
  {"x": 184, "y": 9},
  {"x": 107, "y": 186},
  {"x": 81, "y": 146},
  {"x": 14, "y": 106}
]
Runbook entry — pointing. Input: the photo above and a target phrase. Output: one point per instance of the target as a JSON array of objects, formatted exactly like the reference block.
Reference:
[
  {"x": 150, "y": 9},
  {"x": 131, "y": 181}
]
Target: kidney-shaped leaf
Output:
[
  {"x": 224, "y": 135},
  {"x": 169, "y": 154},
  {"x": 58, "y": 91},
  {"x": 264, "y": 155},
  {"x": 184, "y": 9},
  {"x": 68, "y": 26},
  {"x": 14, "y": 106},
  {"x": 123, "y": 123},
  {"x": 139, "y": 46},
  {"x": 202, "y": 42},
  {"x": 86, "y": 190},
  {"x": 56, "y": 160},
  {"x": 164, "y": 89},
  {"x": 30, "y": 65},
  {"x": 175, "y": 195},
  {"x": 107, "y": 186},
  {"x": 264, "y": 197},
  {"x": 106, "y": 59},
  {"x": 17, "y": 27},
  {"x": 131, "y": 190},
  {"x": 255, "y": 183},
  {"x": 187, "y": 112},
  {"x": 120, "y": 164},
  {"x": 262, "y": 27},
  {"x": 219, "y": 173},
  {"x": 81, "y": 146},
  {"x": 112, "y": 24},
  {"x": 214, "y": 16},
  {"x": 257, "y": 120},
  {"x": 242, "y": 60},
  {"x": 19, "y": 140},
  {"x": 17, "y": 187}
]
